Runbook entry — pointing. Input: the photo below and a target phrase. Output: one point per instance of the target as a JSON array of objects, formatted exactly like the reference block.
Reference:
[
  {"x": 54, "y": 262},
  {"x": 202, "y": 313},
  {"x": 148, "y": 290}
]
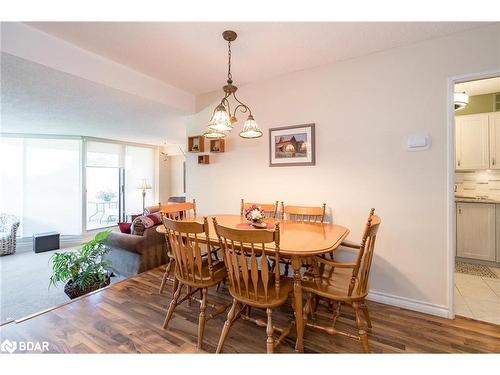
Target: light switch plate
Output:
[{"x": 417, "y": 142}]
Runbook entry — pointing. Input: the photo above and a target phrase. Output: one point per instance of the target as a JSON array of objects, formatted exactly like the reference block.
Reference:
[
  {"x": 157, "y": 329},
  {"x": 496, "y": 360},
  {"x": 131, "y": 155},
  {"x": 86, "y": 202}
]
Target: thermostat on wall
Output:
[{"x": 417, "y": 142}]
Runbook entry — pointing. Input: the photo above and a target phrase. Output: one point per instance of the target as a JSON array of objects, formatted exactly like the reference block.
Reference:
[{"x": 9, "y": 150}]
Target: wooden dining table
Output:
[{"x": 298, "y": 240}]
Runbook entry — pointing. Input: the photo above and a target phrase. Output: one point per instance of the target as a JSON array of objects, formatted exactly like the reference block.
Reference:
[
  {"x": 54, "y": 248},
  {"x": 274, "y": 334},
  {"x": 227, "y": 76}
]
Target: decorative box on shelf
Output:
[
  {"x": 217, "y": 145},
  {"x": 196, "y": 143},
  {"x": 204, "y": 159}
]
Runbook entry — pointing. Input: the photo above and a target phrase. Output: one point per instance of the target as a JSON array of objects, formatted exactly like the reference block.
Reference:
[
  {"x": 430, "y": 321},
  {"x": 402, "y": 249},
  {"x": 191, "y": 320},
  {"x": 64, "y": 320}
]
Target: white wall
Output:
[
  {"x": 177, "y": 175},
  {"x": 362, "y": 109}
]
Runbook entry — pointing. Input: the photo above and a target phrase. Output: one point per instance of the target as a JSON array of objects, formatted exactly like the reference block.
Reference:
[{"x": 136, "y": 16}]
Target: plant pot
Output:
[{"x": 73, "y": 292}]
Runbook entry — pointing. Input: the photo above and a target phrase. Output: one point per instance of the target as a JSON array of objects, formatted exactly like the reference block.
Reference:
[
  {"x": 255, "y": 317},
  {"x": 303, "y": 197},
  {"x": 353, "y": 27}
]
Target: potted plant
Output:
[{"x": 84, "y": 270}]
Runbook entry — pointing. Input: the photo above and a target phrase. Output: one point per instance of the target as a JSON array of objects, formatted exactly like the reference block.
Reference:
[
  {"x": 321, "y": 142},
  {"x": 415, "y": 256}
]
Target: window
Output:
[
  {"x": 41, "y": 184},
  {"x": 114, "y": 174},
  {"x": 103, "y": 180},
  {"x": 139, "y": 166}
]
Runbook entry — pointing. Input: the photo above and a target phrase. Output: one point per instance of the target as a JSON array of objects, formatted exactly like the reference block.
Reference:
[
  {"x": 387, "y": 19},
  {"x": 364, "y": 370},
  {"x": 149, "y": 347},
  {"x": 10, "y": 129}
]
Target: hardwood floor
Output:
[{"x": 127, "y": 317}]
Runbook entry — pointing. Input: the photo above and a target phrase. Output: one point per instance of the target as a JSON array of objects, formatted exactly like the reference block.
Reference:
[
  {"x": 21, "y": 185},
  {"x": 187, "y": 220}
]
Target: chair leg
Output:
[
  {"x": 308, "y": 307},
  {"x": 165, "y": 275},
  {"x": 227, "y": 325},
  {"x": 172, "y": 305},
  {"x": 270, "y": 331},
  {"x": 361, "y": 329},
  {"x": 367, "y": 315},
  {"x": 336, "y": 313},
  {"x": 202, "y": 318},
  {"x": 174, "y": 288},
  {"x": 189, "y": 289}
]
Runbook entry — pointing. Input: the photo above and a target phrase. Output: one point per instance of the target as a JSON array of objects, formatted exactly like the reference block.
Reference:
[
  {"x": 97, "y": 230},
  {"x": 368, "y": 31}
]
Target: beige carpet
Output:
[{"x": 24, "y": 284}]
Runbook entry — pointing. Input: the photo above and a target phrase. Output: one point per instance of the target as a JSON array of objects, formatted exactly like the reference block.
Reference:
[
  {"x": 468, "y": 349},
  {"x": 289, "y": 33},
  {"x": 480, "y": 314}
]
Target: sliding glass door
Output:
[
  {"x": 103, "y": 197},
  {"x": 114, "y": 176}
]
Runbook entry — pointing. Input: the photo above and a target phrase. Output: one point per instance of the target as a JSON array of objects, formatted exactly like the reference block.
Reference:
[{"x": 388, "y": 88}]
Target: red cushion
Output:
[
  {"x": 125, "y": 227},
  {"x": 155, "y": 218}
]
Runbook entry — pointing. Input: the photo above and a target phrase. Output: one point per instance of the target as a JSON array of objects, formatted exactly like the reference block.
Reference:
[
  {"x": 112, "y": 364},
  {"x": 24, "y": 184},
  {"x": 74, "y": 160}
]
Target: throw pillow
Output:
[
  {"x": 125, "y": 227},
  {"x": 141, "y": 223}
]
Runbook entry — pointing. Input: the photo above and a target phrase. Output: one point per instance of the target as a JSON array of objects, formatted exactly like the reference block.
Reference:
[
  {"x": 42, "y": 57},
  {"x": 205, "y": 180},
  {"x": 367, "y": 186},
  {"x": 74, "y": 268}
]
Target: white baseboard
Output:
[{"x": 408, "y": 303}]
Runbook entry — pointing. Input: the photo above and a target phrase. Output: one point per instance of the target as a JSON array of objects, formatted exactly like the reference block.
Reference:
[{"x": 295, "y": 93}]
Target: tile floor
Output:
[{"x": 478, "y": 297}]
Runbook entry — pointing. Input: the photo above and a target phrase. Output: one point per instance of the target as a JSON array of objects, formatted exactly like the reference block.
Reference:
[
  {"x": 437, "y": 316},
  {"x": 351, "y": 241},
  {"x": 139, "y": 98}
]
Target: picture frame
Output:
[{"x": 292, "y": 146}]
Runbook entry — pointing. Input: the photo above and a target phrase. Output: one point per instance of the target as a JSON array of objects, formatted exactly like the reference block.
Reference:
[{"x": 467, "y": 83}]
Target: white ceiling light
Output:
[{"x": 460, "y": 99}]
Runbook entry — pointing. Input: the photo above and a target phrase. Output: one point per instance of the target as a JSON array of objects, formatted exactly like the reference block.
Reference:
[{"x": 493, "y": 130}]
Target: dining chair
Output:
[
  {"x": 193, "y": 269},
  {"x": 307, "y": 214},
  {"x": 303, "y": 213},
  {"x": 178, "y": 211},
  {"x": 252, "y": 283},
  {"x": 270, "y": 209},
  {"x": 344, "y": 283},
  {"x": 185, "y": 210}
]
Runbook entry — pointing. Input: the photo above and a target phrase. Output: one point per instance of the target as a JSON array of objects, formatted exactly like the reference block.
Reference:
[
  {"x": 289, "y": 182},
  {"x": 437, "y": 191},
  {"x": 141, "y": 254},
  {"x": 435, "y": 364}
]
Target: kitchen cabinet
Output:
[
  {"x": 472, "y": 142},
  {"x": 476, "y": 231},
  {"x": 494, "y": 134}
]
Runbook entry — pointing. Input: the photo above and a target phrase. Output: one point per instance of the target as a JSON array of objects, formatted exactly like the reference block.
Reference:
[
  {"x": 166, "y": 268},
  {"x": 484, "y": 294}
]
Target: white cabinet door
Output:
[
  {"x": 476, "y": 231},
  {"x": 472, "y": 143},
  {"x": 494, "y": 125}
]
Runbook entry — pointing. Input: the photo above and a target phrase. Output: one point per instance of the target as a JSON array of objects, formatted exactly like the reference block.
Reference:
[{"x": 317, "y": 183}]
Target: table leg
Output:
[{"x": 297, "y": 293}]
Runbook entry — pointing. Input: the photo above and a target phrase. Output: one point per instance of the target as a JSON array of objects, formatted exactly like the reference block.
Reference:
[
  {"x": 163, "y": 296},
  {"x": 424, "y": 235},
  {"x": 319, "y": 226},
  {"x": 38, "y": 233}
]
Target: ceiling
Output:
[
  {"x": 192, "y": 56},
  {"x": 479, "y": 87},
  {"x": 40, "y": 100}
]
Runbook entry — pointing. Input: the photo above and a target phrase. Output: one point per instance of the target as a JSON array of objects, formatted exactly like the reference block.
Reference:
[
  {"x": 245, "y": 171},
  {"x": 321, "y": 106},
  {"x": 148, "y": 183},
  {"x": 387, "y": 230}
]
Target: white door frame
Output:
[{"x": 450, "y": 194}]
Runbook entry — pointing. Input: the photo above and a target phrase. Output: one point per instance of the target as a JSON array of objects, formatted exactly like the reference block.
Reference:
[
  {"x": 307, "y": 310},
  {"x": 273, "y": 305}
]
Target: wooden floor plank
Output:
[{"x": 127, "y": 317}]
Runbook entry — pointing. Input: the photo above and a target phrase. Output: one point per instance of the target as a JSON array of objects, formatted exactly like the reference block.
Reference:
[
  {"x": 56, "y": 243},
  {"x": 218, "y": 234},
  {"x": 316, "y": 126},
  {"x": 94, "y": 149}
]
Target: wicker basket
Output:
[{"x": 73, "y": 292}]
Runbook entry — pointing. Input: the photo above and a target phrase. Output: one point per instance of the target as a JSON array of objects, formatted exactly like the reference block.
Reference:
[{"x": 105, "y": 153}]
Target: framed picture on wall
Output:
[{"x": 292, "y": 145}]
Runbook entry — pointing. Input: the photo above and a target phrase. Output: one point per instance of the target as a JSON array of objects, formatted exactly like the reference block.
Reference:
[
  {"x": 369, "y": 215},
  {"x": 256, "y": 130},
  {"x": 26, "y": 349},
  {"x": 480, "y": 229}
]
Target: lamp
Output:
[
  {"x": 144, "y": 186},
  {"x": 250, "y": 129},
  {"x": 460, "y": 99},
  {"x": 222, "y": 119}
]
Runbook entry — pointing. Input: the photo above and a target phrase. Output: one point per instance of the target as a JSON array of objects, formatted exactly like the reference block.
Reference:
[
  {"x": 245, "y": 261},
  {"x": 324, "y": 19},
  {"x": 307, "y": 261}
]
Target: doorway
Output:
[{"x": 476, "y": 198}]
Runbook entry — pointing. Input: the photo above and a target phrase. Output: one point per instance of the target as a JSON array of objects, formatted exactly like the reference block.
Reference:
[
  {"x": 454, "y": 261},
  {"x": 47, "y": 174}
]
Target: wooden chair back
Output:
[
  {"x": 184, "y": 238},
  {"x": 303, "y": 213},
  {"x": 251, "y": 278},
  {"x": 186, "y": 210},
  {"x": 365, "y": 255},
  {"x": 270, "y": 209}
]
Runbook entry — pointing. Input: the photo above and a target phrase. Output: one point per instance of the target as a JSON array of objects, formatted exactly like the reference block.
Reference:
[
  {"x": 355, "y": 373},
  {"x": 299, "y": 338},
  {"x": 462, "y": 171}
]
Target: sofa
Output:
[
  {"x": 8, "y": 232},
  {"x": 131, "y": 254}
]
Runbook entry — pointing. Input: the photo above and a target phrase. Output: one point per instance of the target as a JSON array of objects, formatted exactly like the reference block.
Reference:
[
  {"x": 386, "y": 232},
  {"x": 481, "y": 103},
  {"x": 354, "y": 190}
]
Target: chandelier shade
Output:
[
  {"x": 214, "y": 134},
  {"x": 220, "y": 120},
  {"x": 250, "y": 129},
  {"x": 223, "y": 119}
]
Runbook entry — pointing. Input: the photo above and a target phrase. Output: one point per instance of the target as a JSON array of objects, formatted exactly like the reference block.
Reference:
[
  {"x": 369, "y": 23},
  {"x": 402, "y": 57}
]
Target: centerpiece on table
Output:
[
  {"x": 255, "y": 215},
  {"x": 84, "y": 270}
]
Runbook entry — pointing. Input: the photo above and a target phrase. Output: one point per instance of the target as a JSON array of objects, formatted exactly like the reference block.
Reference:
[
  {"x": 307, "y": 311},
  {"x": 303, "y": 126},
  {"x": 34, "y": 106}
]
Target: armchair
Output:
[{"x": 8, "y": 230}]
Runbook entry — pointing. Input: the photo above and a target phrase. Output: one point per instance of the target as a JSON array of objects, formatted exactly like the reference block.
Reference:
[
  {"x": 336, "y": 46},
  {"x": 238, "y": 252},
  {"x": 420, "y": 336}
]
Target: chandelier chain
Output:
[{"x": 229, "y": 75}]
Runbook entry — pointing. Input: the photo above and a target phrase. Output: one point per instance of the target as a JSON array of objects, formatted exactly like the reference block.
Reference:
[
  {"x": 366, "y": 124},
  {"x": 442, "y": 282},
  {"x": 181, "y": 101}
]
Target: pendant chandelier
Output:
[{"x": 223, "y": 120}]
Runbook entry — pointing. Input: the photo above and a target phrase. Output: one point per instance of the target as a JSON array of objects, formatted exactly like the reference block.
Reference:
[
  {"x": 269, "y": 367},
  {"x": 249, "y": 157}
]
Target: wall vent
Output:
[{"x": 497, "y": 102}]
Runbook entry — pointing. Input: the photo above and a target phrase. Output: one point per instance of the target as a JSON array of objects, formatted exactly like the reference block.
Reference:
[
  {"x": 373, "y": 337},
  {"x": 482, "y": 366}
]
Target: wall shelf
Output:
[
  {"x": 204, "y": 159},
  {"x": 196, "y": 143},
  {"x": 217, "y": 145}
]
